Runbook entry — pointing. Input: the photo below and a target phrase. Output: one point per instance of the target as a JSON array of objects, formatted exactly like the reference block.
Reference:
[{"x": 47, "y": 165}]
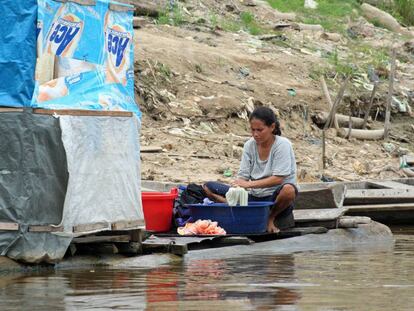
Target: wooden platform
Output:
[
  {"x": 327, "y": 218},
  {"x": 181, "y": 245},
  {"x": 320, "y": 196},
  {"x": 109, "y": 242},
  {"x": 389, "y": 202}
]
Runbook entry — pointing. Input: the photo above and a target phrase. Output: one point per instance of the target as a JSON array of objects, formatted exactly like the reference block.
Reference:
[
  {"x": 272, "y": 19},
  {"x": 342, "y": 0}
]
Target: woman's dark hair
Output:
[{"x": 268, "y": 117}]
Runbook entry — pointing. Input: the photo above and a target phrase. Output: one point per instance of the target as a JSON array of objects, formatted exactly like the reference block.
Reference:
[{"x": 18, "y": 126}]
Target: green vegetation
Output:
[
  {"x": 164, "y": 70},
  {"x": 250, "y": 24},
  {"x": 198, "y": 68},
  {"x": 173, "y": 17},
  {"x": 331, "y": 14},
  {"x": 403, "y": 10},
  {"x": 247, "y": 22},
  {"x": 360, "y": 59}
]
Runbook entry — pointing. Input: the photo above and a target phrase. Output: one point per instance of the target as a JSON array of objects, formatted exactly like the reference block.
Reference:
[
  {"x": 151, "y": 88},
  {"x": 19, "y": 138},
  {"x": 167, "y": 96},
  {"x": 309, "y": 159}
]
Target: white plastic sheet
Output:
[{"x": 104, "y": 170}]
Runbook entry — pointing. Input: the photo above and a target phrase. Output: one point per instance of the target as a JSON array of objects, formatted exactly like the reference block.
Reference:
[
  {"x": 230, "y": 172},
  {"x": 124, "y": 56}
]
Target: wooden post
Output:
[
  {"x": 323, "y": 151},
  {"x": 390, "y": 92},
  {"x": 350, "y": 126},
  {"x": 305, "y": 120},
  {"x": 371, "y": 101}
]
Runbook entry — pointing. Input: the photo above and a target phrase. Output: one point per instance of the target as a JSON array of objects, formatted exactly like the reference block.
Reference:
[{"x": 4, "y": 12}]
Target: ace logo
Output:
[
  {"x": 65, "y": 33},
  {"x": 117, "y": 42}
]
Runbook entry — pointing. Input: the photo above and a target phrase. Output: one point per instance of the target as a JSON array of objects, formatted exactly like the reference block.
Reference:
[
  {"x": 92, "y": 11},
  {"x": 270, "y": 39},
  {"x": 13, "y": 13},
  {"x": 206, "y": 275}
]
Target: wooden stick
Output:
[
  {"x": 371, "y": 101},
  {"x": 336, "y": 103},
  {"x": 390, "y": 92},
  {"x": 329, "y": 100},
  {"x": 323, "y": 151},
  {"x": 350, "y": 127},
  {"x": 83, "y": 113}
]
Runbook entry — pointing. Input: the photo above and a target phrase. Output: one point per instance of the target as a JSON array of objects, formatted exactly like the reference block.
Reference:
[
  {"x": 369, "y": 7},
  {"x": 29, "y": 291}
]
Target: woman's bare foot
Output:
[{"x": 271, "y": 228}]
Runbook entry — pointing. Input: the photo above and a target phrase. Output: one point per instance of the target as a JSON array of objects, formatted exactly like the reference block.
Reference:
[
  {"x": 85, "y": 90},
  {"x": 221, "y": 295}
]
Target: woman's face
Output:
[{"x": 260, "y": 131}]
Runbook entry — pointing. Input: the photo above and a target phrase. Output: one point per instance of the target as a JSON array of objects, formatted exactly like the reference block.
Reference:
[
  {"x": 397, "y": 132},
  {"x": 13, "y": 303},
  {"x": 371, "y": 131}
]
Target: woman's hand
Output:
[{"x": 240, "y": 183}]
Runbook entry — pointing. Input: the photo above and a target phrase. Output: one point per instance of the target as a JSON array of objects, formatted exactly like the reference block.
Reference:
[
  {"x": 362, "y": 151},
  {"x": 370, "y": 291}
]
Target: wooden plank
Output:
[
  {"x": 91, "y": 227},
  {"x": 389, "y": 184},
  {"x": 46, "y": 228},
  {"x": 316, "y": 215},
  {"x": 137, "y": 235},
  {"x": 4, "y": 109},
  {"x": 9, "y": 226},
  {"x": 101, "y": 239},
  {"x": 83, "y": 113},
  {"x": 321, "y": 196},
  {"x": 379, "y": 196},
  {"x": 233, "y": 240},
  {"x": 132, "y": 248},
  {"x": 328, "y": 224},
  {"x": 128, "y": 224},
  {"x": 164, "y": 245},
  {"x": 150, "y": 149},
  {"x": 395, "y": 207},
  {"x": 306, "y": 230}
]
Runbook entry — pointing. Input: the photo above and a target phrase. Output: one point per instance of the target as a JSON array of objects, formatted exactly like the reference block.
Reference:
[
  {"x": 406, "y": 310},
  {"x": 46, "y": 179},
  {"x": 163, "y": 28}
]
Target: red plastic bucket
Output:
[{"x": 158, "y": 209}]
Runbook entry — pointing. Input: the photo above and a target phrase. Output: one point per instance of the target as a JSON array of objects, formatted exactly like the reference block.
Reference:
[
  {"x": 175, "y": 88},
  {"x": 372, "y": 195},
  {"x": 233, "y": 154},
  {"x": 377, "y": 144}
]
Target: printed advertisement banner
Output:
[{"x": 85, "y": 56}]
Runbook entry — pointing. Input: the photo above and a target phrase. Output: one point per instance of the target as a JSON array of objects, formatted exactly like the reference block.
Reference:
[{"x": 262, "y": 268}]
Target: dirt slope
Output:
[{"x": 196, "y": 85}]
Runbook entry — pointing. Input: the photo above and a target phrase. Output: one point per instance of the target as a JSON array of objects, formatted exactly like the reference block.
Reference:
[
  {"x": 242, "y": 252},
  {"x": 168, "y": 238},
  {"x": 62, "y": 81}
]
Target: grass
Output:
[
  {"x": 405, "y": 9},
  {"x": 249, "y": 23},
  {"x": 358, "y": 61},
  {"x": 402, "y": 10},
  {"x": 246, "y": 22},
  {"x": 173, "y": 17},
  {"x": 164, "y": 70},
  {"x": 330, "y": 13}
]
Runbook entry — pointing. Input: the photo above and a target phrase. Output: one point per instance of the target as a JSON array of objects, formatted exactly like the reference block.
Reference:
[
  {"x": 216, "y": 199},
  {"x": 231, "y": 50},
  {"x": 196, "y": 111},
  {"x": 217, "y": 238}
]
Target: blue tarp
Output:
[{"x": 17, "y": 51}]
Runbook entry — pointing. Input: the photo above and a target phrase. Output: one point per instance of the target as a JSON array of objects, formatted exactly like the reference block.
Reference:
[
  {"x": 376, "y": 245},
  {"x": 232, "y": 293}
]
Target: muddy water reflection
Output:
[{"x": 347, "y": 280}]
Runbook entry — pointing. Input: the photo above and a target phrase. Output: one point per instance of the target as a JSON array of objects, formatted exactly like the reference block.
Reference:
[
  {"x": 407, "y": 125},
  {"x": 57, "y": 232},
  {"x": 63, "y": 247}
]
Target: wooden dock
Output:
[
  {"x": 389, "y": 202},
  {"x": 321, "y": 207},
  {"x": 181, "y": 245}
]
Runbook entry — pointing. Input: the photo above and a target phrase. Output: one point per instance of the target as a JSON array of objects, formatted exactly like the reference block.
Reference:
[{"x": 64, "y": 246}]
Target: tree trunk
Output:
[
  {"x": 362, "y": 134},
  {"x": 342, "y": 120}
]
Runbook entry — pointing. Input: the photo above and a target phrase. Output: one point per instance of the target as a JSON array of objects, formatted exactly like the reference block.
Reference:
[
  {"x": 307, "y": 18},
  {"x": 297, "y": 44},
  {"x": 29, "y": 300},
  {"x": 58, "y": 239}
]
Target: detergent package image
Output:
[{"x": 85, "y": 56}]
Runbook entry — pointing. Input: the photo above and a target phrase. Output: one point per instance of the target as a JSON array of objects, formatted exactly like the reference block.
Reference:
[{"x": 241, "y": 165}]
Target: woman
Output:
[{"x": 267, "y": 170}]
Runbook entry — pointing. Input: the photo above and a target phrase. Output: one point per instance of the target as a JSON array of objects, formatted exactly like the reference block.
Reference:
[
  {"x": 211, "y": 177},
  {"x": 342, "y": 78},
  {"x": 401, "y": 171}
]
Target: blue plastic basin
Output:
[{"x": 235, "y": 219}]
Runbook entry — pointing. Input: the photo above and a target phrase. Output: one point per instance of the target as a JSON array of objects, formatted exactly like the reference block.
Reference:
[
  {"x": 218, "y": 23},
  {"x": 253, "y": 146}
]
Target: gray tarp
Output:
[
  {"x": 33, "y": 181},
  {"x": 101, "y": 155}
]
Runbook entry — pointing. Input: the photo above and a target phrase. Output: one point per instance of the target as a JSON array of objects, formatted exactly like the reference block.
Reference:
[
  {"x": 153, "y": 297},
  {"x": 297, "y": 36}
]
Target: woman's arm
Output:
[{"x": 260, "y": 183}]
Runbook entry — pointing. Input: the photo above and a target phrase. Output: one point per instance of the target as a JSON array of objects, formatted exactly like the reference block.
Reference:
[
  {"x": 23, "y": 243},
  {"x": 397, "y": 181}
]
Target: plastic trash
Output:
[{"x": 310, "y": 4}]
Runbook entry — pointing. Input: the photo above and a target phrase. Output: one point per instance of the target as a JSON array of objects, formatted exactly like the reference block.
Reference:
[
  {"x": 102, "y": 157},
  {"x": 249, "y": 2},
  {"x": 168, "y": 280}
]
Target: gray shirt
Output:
[{"x": 281, "y": 162}]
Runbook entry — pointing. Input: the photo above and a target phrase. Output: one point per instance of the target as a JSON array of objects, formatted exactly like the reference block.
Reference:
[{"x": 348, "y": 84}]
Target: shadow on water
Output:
[{"x": 353, "y": 279}]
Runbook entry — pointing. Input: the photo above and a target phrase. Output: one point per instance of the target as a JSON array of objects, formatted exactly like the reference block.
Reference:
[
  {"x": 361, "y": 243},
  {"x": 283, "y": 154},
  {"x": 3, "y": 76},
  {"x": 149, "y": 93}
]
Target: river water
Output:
[{"x": 353, "y": 279}]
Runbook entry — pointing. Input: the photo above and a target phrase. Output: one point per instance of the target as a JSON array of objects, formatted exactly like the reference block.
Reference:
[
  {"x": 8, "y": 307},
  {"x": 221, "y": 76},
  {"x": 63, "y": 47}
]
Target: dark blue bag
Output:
[{"x": 192, "y": 194}]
